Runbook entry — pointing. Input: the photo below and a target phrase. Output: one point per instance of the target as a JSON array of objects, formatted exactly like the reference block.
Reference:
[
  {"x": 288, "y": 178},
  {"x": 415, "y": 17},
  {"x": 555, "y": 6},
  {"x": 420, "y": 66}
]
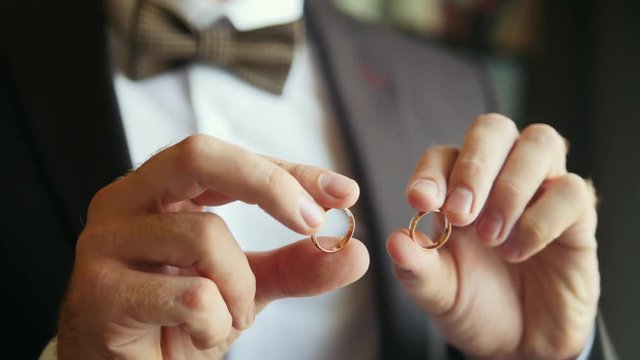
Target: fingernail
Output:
[
  {"x": 427, "y": 187},
  {"x": 336, "y": 185},
  {"x": 459, "y": 201},
  {"x": 490, "y": 225},
  {"x": 312, "y": 214}
]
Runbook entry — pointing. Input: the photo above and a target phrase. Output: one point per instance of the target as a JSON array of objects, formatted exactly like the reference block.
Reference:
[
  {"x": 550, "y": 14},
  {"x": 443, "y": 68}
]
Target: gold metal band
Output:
[
  {"x": 443, "y": 238},
  {"x": 345, "y": 239}
]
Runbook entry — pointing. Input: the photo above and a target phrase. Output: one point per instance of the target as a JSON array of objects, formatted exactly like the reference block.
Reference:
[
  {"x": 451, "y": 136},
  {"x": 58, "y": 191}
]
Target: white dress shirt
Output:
[{"x": 297, "y": 126}]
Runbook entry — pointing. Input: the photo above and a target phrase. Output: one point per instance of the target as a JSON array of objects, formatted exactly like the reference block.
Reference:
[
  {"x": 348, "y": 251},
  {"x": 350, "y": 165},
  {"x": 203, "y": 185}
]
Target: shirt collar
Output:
[{"x": 243, "y": 14}]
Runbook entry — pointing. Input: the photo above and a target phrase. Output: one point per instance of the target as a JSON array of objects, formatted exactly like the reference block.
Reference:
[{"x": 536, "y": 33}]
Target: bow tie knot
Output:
[
  {"x": 214, "y": 45},
  {"x": 162, "y": 39}
]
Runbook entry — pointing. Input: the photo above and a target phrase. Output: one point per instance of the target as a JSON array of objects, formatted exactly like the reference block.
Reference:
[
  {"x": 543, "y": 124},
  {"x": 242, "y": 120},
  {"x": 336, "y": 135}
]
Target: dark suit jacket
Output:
[{"x": 63, "y": 140}]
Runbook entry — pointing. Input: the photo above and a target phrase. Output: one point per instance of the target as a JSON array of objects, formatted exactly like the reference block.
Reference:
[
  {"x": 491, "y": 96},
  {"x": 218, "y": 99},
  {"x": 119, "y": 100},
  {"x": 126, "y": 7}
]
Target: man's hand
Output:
[
  {"x": 157, "y": 277},
  {"x": 519, "y": 276}
]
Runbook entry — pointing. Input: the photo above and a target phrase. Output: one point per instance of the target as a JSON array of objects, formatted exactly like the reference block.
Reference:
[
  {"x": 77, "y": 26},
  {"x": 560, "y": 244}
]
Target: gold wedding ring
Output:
[
  {"x": 345, "y": 239},
  {"x": 443, "y": 238}
]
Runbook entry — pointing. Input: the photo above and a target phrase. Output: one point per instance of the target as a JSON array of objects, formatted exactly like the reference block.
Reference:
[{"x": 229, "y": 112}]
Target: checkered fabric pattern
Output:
[{"x": 161, "y": 40}]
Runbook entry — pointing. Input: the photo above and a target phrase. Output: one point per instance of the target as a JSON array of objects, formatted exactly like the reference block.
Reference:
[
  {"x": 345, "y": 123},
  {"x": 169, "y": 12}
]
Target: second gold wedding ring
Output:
[
  {"x": 445, "y": 233},
  {"x": 345, "y": 239}
]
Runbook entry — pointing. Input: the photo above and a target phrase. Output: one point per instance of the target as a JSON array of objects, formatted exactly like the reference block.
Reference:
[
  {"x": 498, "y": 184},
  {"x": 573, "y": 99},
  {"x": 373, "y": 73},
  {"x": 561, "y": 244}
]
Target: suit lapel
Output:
[
  {"x": 60, "y": 64},
  {"x": 395, "y": 97}
]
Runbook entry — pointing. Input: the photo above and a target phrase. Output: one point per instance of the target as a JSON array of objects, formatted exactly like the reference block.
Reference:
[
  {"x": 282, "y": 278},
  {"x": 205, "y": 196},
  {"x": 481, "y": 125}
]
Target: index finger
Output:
[{"x": 200, "y": 163}]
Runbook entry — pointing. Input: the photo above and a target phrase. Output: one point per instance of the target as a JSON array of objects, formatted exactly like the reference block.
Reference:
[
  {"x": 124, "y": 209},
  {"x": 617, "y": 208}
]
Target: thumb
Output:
[
  {"x": 429, "y": 277},
  {"x": 300, "y": 269}
]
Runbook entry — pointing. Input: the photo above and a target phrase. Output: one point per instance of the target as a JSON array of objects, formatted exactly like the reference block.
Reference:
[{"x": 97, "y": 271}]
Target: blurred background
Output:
[{"x": 575, "y": 65}]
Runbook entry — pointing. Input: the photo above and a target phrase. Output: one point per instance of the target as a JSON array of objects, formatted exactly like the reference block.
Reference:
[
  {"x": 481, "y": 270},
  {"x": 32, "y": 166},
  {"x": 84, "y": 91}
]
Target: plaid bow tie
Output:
[{"x": 161, "y": 40}]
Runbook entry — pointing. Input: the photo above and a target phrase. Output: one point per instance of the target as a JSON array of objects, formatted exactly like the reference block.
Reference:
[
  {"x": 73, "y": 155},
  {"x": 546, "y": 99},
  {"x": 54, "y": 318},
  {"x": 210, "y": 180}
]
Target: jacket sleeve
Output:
[{"x": 603, "y": 346}]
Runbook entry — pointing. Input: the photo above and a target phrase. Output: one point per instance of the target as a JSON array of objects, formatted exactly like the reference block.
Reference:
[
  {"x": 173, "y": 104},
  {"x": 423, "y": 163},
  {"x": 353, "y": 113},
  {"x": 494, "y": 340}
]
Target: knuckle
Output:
[
  {"x": 275, "y": 177},
  {"x": 544, "y": 136},
  {"x": 495, "y": 121},
  {"x": 197, "y": 297},
  {"x": 279, "y": 162},
  {"x": 573, "y": 180},
  {"x": 577, "y": 187},
  {"x": 190, "y": 149},
  {"x": 196, "y": 142},
  {"x": 217, "y": 332},
  {"x": 100, "y": 238},
  {"x": 472, "y": 167},
  {"x": 302, "y": 172},
  {"x": 510, "y": 190},
  {"x": 93, "y": 240},
  {"x": 205, "y": 306},
  {"x": 90, "y": 235},
  {"x": 207, "y": 227},
  {"x": 101, "y": 197}
]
